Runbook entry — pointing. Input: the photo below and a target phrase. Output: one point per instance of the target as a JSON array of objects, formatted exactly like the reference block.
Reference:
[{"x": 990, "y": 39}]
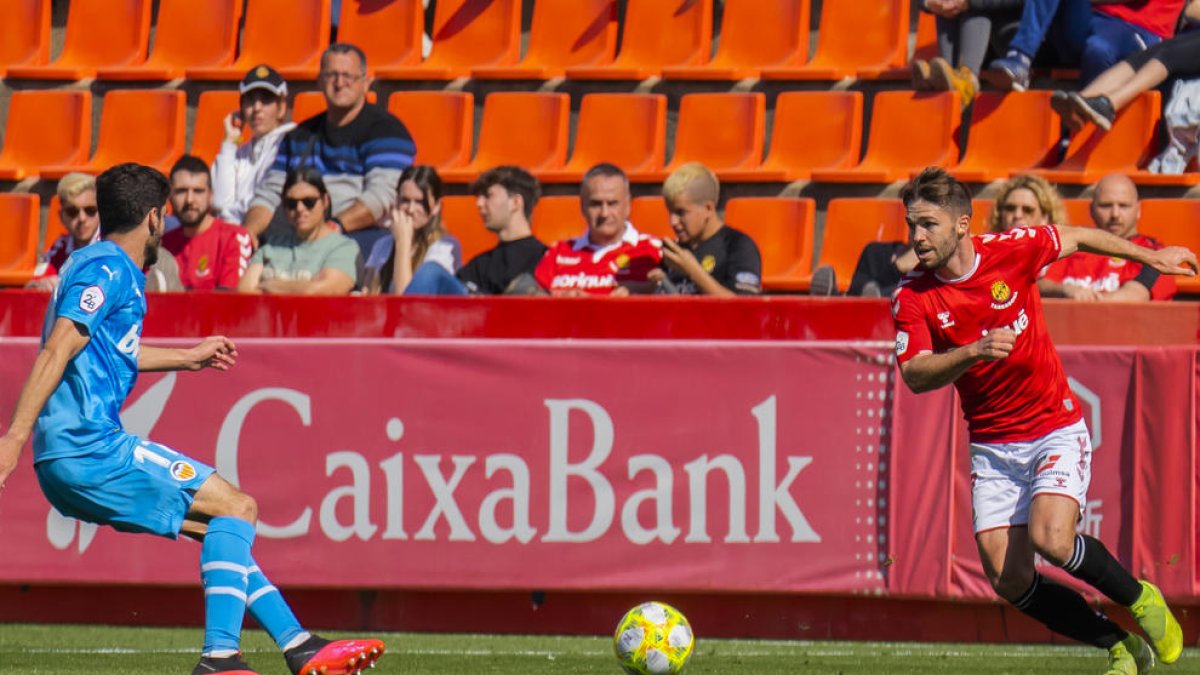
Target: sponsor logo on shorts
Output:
[
  {"x": 91, "y": 299},
  {"x": 1049, "y": 463},
  {"x": 1060, "y": 482},
  {"x": 182, "y": 471}
]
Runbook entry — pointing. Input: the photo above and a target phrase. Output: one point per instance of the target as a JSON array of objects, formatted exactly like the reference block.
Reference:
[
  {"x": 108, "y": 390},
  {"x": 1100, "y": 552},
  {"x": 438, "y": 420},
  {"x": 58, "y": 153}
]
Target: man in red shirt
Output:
[
  {"x": 970, "y": 315},
  {"x": 1085, "y": 276},
  {"x": 611, "y": 258},
  {"x": 212, "y": 253}
]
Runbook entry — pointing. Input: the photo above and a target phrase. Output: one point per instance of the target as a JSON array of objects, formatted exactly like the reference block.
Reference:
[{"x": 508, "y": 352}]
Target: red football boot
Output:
[{"x": 318, "y": 656}]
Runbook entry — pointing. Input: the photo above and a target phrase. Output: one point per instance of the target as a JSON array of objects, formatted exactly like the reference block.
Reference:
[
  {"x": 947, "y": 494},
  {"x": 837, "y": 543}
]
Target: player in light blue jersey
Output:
[{"x": 92, "y": 469}]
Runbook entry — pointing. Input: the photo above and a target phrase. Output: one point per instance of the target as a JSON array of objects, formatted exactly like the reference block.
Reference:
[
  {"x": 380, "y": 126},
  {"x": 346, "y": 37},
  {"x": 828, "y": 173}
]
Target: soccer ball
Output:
[{"x": 653, "y": 638}]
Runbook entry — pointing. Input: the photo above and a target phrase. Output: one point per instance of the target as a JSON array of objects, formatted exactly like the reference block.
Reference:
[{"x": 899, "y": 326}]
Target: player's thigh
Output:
[
  {"x": 216, "y": 498},
  {"x": 1062, "y": 474},
  {"x": 1000, "y": 488},
  {"x": 1007, "y": 557}
]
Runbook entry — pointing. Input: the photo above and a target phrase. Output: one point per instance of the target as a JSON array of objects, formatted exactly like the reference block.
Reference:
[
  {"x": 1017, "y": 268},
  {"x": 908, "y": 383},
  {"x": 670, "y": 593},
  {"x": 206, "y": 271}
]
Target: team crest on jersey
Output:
[
  {"x": 622, "y": 261},
  {"x": 91, "y": 299},
  {"x": 182, "y": 471},
  {"x": 709, "y": 263},
  {"x": 1003, "y": 296}
]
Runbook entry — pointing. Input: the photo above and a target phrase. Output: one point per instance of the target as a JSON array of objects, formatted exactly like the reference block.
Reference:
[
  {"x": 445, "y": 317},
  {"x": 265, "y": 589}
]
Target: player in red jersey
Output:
[{"x": 971, "y": 315}]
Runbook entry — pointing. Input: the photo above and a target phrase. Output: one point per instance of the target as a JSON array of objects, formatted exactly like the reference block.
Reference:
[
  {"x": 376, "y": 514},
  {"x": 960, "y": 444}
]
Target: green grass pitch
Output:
[{"x": 102, "y": 650}]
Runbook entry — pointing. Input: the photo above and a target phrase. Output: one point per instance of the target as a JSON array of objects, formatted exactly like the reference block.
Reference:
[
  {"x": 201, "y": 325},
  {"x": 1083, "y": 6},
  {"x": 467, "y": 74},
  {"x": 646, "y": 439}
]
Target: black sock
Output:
[
  {"x": 1064, "y": 611},
  {"x": 1092, "y": 563}
]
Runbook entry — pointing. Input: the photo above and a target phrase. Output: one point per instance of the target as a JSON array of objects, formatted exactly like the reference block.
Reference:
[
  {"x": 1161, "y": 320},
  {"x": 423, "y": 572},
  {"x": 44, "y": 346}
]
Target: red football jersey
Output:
[
  {"x": 215, "y": 258},
  {"x": 1019, "y": 398},
  {"x": 577, "y": 264},
  {"x": 1157, "y": 16},
  {"x": 1109, "y": 274}
]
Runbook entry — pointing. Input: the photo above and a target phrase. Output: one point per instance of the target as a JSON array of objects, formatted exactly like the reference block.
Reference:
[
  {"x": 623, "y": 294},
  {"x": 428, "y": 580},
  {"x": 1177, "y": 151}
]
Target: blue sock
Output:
[
  {"x": 224, "y": 566},
  {"x": 270, "y": 610}
]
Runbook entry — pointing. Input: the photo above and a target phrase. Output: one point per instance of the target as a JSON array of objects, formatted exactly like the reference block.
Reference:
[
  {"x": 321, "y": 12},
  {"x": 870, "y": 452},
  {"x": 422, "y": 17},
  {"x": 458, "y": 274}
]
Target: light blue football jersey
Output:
[{"x": 102, "y": 290}]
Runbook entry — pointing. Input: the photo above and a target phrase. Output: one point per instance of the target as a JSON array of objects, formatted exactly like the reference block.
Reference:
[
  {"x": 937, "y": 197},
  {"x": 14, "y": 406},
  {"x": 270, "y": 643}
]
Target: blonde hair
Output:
[
  {"x": 73, "y": 184},
  {"x": 1048, "y": 199},
  {"x": 697, "y": 180}
]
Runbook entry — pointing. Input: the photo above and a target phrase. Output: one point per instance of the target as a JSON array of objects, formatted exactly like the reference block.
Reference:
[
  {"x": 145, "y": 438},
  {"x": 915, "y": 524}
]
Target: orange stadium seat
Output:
[
  {"x": 24, "y": 33},
  {"x": 629, "y": 130},
  {"x": 1079, "y": 212},
  {"x": 783, "y": 229},
  {"x": 45, "y": 128},
  {"x": 981, "y": 212},
  {"x": 441, "y": 122},
  {"x": 813, "y": 130},
  {"x": 528, "y": 129},
  {"x": 1174, "y": 222},
  {"x": 925, "y": 49},
  {"x": 1189, "y": 177},
  {"x": 461, "y": 217},
  {"x": 189, "y": 34},
  {"x": 725, "y": 132},
  {"x": 308, "y": 104},
  {"x": 854, "y": 37},
  {"x": 1009, "y": 133},
  {"x": 564, "y": 33},
  {"x": 851, "y": 224},
  {"x": 54, "y": 225},
  {"x": 136, "y": 125},
  {"x": 287, "y": 34},
  {"x": 557, "y": 218},
  {"x": 99, "y": 33},
  {"x": 208, "y": 129},
  {"x": 658, "y": 34},
  {"x": 466, "y": 34},
  {"x": 754, "y": 35},
  {"x": 19, "y": 224},
  {"x": 909, "y": 131},
  {"x": 649, "y": 215},
  {"x": 389, "y": 31},
  {"x": 1094, "y": 154}
]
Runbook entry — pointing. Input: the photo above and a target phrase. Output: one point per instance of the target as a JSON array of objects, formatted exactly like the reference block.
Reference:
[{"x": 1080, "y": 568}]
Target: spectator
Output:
[
  {"x": 1026, "y": 201},
  {"x": 505, "y": 196},
  {"x": 212, "y": 253},
  {"x": 967, "y": 31},
  {"x": 1092, "y": 34},
  {"x": 611, "y": 257},
  {"x": 359, "y": 148},
  {"x": 709, "y": 258},
  {"x": 318, "y": 260},
  {"x": 78, "y": 214},
  {"x": 162, "y": 272},
  {"x": 238, "y": 169},
  {"x": 1091, "y": 277},
  {"x": 417, "y": 235}
]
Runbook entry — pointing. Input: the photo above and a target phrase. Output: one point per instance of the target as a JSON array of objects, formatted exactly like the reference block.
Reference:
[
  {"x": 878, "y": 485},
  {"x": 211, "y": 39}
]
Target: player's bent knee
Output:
[
  {"x": 1012, "y": 584},
  {"x": 1054, "y": 544}
]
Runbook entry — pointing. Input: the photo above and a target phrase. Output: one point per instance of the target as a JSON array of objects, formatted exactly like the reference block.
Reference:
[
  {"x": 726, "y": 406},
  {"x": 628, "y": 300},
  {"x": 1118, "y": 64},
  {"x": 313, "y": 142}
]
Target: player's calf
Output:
[{"x": 318, "y": 656}]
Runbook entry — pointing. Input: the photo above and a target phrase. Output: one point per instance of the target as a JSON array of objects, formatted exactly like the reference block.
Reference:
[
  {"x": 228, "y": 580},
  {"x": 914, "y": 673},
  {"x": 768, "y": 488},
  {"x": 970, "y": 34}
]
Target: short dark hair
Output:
[
  {"x": 304, "y": 174},
  {"x": 345, "y": 48},
  {"x": 515, "y": 180},
  {"x": 126, "y": 193},
  {"x": 937, "y": 187},
  {"x": 190, "y": 164},
  {"x": 606, "y": 170}
]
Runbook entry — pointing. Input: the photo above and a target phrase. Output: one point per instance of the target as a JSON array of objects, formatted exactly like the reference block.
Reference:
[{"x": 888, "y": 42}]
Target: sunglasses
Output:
[
  {"x": 309, "y": 202},
  {"x": 72, "y": 212}
]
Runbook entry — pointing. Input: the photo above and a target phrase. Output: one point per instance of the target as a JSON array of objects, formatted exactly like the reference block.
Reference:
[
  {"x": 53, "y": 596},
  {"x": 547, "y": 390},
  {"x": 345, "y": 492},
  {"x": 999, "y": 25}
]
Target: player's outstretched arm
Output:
[
  {"x": 1170, "y": 260},
  {"x": 216, "y": 352},
  {"x": 929, "y": 371},
  {"x": 66, "y": 340}
]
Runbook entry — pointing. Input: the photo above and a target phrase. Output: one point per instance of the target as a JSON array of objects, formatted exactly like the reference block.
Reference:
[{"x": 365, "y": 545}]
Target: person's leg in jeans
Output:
[
  {"x": 433, "y": 279},
  {"x": 1064, "y": 23},
  {"x": 1110, "y": 41}
]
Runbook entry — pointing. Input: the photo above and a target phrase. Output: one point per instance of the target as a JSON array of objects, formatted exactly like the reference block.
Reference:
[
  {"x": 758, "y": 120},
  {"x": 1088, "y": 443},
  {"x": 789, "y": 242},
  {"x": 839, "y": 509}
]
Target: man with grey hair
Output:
[{"x": 359, "y": 148}]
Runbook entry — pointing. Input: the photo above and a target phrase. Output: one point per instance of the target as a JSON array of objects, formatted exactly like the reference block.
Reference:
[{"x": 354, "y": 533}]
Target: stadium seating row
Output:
[
  {"x": 198, "y": 39},
  {"x": 784, "y": 229},
  {"x": 816, "y": 135}
]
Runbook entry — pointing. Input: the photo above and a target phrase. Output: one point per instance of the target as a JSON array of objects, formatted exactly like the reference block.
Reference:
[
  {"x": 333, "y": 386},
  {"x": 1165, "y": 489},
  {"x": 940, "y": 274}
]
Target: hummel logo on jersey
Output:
[
  {"x": 944, "y": 317},
  {"x": 1049, "y": 463}
]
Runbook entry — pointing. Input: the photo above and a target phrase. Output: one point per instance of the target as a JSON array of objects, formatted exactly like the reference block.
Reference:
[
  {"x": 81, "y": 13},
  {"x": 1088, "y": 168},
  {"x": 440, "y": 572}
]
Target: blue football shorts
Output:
[{"x": 132, "y": 485}]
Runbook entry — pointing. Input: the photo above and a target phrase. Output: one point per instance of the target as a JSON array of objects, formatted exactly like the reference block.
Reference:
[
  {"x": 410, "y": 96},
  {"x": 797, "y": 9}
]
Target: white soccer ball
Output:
[{"x": 653, "y": 638}]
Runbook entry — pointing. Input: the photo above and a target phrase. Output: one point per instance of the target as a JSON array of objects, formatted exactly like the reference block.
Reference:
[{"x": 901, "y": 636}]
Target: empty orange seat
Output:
[
  {"x": 851, "y": 224},
  {"x": 925, "y": 48},
  {"x": 724, "y": 132},
  {"x": 389, "y": 31},
  {"x": 45, "y": 128},
  {"x": 54, "y": 225},
  {"x": 308, "y": 104},
  {"x": 629, "y": 130},
  {"x": 649, "y": 215},
  {"x": 1094, "y": 154},
  {"x": 854, "y": 38},
  {"x": 189, "y": 34},
  {"x": 658, "y": 34},
  {"x": 18, "y": 237},
  {"x": 981, "y": 213},
  {"x": 557, "y": 218},
  {"x": 208, "y": 130},
  {"x": 99, "y": 33},
  {"x": 24, "y": 33},
  {"x": 754, "y": 35},
  {"x": 466, "y": 34},
  {"x": 1079, "y": 212},
  {"x": 783, "y": 229},
  {"x": 564, "y": 33},
  {"x": 909, "y": 131},
  {"x": 289, "y": 35},
  {"x": 1174, "y": 222},
  {"x": 813, "y": 130},
  {"x": 441, "y": 123},
  {"x": 137, "y": 125},
  {"x": 1010, "y": 133},
  {"x": 461, "y": 217},
  {"x": 527, "y": 129}
]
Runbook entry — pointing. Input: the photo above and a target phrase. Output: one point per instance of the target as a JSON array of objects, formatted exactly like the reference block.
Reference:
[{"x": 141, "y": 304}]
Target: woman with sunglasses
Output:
[
  {"x": 417, "y": 235},
  {"x": 1026, "y": 201},
  {"x": 317, "y": 260}
]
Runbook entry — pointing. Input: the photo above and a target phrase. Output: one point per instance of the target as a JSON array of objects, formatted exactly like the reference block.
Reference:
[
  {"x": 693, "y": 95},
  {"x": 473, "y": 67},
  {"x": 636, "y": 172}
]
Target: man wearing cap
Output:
[
  {"x": 359, "y": 148},
  {"x": 238, "y": 169}
]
